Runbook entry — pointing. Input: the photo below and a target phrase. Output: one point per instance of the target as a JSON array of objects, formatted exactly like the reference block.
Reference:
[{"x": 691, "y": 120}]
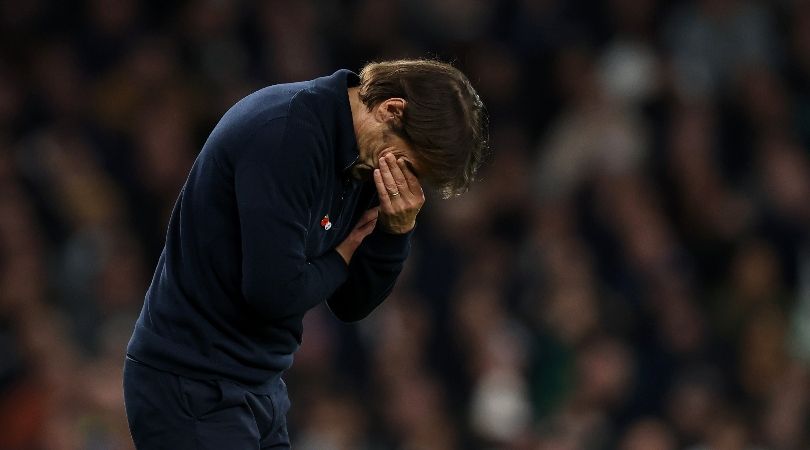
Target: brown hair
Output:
[{"x": 444, "y": 119}]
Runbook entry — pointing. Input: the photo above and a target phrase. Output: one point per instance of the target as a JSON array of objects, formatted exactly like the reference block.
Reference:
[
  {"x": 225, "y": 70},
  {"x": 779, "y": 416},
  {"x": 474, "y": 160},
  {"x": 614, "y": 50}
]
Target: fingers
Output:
[
  {"x": 382, "y": 192},
  {"x": 401, "y": 195},
  {"x": 407, "y": 184},
  {"x": 413, "y": 182},
  {"x": 394, "y": 187},
  {"x": 396, "y": 172},
  {"x": 364, "y": 227}
]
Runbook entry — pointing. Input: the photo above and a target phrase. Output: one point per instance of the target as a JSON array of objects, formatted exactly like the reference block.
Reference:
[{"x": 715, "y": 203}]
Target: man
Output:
[{"x": 303, "y": 192}]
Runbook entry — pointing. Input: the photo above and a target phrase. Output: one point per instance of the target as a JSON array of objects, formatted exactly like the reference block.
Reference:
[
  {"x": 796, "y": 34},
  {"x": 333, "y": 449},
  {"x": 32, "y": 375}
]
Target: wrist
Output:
[{"x": 404, "y": 229}]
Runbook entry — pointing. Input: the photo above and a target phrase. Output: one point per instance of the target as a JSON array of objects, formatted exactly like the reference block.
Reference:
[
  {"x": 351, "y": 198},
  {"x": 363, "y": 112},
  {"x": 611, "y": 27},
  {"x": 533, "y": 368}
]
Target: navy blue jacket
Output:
[{"x": 246, "y": 253}]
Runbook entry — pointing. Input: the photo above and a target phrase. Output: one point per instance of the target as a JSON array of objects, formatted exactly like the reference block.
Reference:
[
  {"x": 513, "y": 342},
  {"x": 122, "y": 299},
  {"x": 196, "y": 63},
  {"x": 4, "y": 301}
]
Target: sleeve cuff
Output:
[
  {"x": 335, "y": 267},
  {"x": 382, "y": 242}
]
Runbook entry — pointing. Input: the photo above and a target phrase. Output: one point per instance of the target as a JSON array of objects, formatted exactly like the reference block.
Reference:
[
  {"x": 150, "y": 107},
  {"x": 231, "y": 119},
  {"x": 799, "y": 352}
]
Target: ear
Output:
[{"x": 390, "y": 111}]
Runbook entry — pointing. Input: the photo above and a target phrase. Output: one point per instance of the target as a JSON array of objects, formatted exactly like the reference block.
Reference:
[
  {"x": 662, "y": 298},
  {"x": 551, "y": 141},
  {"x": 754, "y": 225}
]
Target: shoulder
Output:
[
  {"x": 311, "y": 107},
  {"x": 301, "y": 115},
  {"x": 313, "y": 103},
  {"x": 262, "y": 117},
  {"x": 323, "y": 102},
  {"x": 293, "y": 136}
]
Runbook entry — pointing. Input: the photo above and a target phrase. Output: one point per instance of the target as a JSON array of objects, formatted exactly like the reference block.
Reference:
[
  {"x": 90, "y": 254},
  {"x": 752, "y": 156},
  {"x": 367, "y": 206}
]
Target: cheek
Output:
[{"x": 369, "y": 151}]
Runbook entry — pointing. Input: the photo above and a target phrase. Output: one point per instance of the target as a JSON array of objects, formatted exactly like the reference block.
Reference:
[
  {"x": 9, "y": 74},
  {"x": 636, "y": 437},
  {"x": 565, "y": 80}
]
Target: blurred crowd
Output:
[{"x": 632, "y": 272}]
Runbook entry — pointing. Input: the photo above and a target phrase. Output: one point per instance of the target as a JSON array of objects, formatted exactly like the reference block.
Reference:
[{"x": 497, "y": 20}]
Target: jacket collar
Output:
[{"x": 346, "y": 153}]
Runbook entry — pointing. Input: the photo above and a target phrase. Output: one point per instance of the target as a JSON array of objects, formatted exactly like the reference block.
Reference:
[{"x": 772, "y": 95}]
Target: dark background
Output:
[{"x": 632, "y": 272}]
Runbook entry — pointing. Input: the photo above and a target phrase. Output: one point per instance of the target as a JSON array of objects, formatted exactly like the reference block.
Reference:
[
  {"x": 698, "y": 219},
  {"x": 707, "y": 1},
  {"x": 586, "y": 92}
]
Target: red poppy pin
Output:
[{"x": 325, "y": 223}]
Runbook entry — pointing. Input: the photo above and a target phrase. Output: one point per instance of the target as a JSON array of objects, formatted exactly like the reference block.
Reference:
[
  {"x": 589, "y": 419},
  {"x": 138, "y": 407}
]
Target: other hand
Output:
[{"x": 365, "y": 225}]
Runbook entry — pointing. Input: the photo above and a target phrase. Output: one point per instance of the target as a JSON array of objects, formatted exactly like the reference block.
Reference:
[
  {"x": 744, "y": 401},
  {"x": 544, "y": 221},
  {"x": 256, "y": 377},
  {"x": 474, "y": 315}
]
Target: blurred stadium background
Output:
[{"x": 632, "y": 273}]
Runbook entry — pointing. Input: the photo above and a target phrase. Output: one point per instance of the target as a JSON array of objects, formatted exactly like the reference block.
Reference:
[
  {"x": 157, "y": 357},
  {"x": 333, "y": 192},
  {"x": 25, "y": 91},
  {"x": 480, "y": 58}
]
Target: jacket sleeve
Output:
[
  {"x": 373, "y": 270},
  {"x": 277, "y": 176}
]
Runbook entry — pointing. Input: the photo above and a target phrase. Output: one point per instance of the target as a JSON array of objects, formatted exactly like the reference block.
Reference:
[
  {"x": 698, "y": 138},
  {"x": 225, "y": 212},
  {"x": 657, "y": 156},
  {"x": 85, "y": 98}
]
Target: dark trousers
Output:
[{"x": 167, "y": 411}]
